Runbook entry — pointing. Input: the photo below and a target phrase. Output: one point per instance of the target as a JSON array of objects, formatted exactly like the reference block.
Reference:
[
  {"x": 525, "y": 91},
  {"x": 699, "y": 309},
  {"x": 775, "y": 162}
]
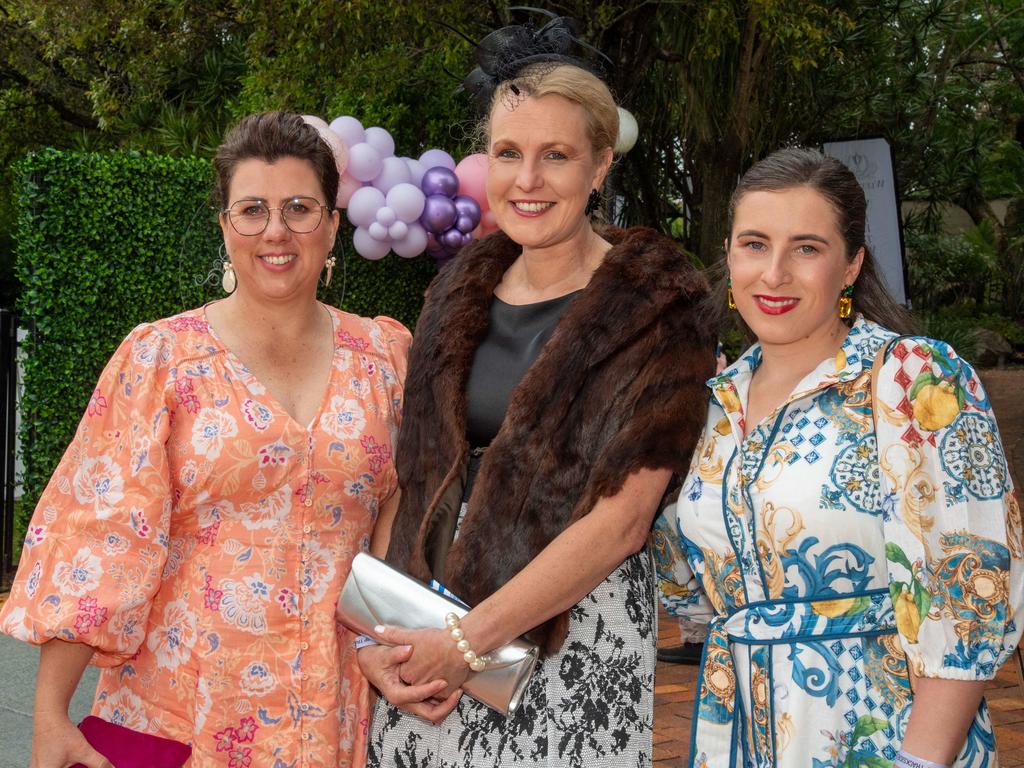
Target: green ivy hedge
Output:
[{"x": 108, "y": 240}]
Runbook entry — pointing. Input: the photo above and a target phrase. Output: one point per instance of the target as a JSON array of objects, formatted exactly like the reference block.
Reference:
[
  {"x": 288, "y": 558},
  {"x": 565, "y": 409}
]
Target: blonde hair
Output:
[{"x": 572, "y": 83}]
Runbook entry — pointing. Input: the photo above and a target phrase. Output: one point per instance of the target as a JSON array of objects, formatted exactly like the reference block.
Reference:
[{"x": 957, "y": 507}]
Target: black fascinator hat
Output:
[{"x": 504, "y": 53}]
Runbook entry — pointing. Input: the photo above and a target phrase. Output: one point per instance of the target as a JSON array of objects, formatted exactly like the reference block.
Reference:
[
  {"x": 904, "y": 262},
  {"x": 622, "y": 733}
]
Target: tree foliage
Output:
[{"x": 715, "y": 84}]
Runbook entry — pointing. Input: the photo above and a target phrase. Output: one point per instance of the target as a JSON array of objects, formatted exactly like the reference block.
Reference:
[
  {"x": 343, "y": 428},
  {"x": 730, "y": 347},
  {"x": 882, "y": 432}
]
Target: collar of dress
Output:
[{"x": 730, "y": 387}]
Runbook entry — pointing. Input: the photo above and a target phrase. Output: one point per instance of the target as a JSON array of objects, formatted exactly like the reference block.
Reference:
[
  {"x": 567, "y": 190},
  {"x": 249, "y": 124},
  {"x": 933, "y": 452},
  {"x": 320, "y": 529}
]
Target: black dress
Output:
[{"x": 591, "y": 704}]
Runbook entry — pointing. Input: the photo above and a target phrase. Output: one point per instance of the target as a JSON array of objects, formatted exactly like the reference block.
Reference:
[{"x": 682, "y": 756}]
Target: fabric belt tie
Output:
[{"x": 721, "y": 736}]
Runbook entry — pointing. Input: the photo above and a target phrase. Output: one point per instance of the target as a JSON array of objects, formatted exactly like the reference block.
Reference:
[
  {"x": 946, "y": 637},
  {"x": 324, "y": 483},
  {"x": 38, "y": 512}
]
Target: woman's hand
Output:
[
  {"x": 57, "y": 743},
  {"x": 380, "y": 664},
  {"x": 434, "y": 657}
]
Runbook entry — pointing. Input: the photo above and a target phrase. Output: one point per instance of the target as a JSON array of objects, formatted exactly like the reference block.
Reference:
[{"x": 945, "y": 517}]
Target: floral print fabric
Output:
[
  {"x": 197, "y": 538},
  {"x": 830, "y": 556}
]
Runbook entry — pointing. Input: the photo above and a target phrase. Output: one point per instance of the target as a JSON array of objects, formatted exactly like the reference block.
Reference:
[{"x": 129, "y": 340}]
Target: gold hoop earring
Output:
[
  {"x": 846, "y": 303},
  {"x": 728, "y": 296}
]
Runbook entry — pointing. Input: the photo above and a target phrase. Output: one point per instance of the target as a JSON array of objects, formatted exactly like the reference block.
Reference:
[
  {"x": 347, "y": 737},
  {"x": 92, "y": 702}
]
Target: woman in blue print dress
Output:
[{"x": 860, "y": 566}]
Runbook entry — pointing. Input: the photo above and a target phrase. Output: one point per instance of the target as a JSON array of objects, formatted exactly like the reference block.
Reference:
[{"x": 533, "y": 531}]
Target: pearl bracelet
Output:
[
  {"x": 906, "y": 760},
  {"x": 454, "y": 625}
]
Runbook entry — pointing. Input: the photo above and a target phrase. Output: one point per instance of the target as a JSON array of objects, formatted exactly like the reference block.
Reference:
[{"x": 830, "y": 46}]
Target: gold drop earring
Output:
[
  {"x": 846, "y": 303},
  {"x": 728, "y": 296}
]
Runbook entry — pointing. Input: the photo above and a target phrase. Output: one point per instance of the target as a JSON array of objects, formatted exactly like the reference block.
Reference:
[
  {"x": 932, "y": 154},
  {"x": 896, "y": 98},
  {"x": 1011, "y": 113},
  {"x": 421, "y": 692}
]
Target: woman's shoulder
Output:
[
  {"x": 381, "y": 335},
  {"x": 930, "y": 382},
  {"x": 183, "y": 336}
]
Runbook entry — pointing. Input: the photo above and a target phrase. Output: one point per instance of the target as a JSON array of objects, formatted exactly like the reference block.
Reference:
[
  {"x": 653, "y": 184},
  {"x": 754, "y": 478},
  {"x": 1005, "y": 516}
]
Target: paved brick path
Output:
[{"x": 674, "y": 685}]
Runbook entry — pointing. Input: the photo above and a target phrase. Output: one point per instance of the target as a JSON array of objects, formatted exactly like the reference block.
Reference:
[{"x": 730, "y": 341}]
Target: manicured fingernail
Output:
[
  {"x": 379, "y": 629},
  {"x": 405, "y": 648}
]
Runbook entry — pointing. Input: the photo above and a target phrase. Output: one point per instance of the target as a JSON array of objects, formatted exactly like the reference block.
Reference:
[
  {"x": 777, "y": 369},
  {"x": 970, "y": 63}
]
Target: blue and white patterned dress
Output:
[{"x": 828, "y": 557}]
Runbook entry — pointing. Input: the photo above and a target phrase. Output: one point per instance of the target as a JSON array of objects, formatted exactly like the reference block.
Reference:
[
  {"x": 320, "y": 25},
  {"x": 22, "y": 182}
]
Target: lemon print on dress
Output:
[
  {"x": 908, "y": 616},
  {"x": 936, "y": 405}
]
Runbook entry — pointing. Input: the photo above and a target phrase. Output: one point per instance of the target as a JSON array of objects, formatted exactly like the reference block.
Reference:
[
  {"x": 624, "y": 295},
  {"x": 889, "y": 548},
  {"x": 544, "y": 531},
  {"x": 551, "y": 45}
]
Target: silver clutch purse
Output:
[{"x": 377, "y": 594}]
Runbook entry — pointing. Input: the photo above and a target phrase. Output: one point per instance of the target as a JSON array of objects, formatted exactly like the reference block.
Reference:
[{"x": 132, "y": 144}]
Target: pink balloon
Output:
[
  {"x": 472, "y": 173},
  {"x": 347, "y": 187},
  {"x": 349, "y": 129},
  {"x": 338, "y": 148},
  {"x": 367, "y": 247},
  {"x": 488, "y": 223}
]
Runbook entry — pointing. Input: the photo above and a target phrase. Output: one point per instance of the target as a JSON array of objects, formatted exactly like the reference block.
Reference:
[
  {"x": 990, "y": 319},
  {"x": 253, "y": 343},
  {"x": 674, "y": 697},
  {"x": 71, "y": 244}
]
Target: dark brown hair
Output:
[
  {"x": 799, "y": 167},
  {"x": 269, "y": 136}
]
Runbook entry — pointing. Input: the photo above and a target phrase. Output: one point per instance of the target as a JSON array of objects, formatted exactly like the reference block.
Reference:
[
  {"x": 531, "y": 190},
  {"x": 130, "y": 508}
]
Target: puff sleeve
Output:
[
  {"x": 952, "y": 524},
  {"x": 393, "y": 343},
  {"x": 97, "y": 542}
]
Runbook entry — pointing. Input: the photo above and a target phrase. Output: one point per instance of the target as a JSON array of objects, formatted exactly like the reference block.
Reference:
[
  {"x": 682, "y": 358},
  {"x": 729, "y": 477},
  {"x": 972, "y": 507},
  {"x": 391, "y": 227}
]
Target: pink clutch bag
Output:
[{"x": 126, "y": 748}]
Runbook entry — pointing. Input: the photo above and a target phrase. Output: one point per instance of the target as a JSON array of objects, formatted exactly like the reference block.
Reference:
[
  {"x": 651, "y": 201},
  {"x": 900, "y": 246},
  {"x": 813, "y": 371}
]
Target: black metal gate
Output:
[{"x": 8, "y": 422}]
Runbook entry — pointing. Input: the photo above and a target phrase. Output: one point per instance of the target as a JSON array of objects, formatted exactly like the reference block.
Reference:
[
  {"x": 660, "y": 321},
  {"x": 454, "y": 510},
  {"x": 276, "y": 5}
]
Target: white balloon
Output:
[
  {"x": 398, "y": 230},
  {"x": 367, "y": 247},
  {"x": 378, "y": 231},
  {"x": 628, "y": 132},
  {"x": 363, "y": 206}
]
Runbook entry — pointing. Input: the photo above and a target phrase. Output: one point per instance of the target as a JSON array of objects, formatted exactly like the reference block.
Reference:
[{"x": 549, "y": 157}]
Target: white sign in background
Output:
[{"x": 871, "y": 162}]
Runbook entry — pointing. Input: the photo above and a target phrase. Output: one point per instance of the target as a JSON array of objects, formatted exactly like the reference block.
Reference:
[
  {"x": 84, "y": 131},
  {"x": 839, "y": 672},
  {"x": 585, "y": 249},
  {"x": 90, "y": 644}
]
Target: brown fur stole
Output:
[{"x": 618, "y": 387}]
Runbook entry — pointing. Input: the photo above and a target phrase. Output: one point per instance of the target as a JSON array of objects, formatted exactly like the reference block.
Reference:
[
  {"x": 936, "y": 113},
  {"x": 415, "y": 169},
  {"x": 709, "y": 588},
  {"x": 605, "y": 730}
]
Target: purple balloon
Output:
[
  {"x": 392, "y": 173},
  {"x": 386, "y": 216},
  {"x": 467, "y": 206},
  {"x": 432, "y": 243},
  {"x": 381, "y": 140},
  {"x": 413, "y": 244},
  {"x": 467, "y": 238},
  {"x": 378, "y": 231},
  {"x": 364, "y": 162},
  {"x": 416, "y": 170},
  {"x": 464, "y": 224},
  {"x": 452, "y": 238},
  {"x": 398, "y": 230},
  {"x": 363, "y": 206},
  {"x": 349, "y": 129},
  {"x": 440, "y": 181},
  {"x": 437, "y": 157},
  {"x": 438, "y": 214},
  {"x": 407, "y": 201},
  {"x": 367, "y": 247}
]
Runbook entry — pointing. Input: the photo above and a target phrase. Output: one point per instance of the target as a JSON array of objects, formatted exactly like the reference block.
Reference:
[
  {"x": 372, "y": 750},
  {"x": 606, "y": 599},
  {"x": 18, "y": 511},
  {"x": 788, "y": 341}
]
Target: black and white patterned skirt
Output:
[{"x": 591, "y": 705}]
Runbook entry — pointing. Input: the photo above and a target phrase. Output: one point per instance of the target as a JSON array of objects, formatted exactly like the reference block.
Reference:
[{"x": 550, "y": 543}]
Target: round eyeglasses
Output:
[{"x": 251, "y": 217}]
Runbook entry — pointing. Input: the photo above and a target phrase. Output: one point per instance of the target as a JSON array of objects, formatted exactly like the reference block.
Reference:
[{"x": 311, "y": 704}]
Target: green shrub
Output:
[
  {"x": 108, "y": 240},
  {"x": 944, "y": 270}
]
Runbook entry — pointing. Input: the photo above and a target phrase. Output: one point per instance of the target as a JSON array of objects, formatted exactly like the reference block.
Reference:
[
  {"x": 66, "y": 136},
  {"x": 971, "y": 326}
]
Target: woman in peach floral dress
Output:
[{"x": 231, "y": 462}]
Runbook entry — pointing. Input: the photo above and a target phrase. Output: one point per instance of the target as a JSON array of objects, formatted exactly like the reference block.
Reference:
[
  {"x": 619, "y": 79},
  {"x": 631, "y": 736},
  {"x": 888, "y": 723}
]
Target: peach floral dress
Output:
[{"x": 197, "y": 538}]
